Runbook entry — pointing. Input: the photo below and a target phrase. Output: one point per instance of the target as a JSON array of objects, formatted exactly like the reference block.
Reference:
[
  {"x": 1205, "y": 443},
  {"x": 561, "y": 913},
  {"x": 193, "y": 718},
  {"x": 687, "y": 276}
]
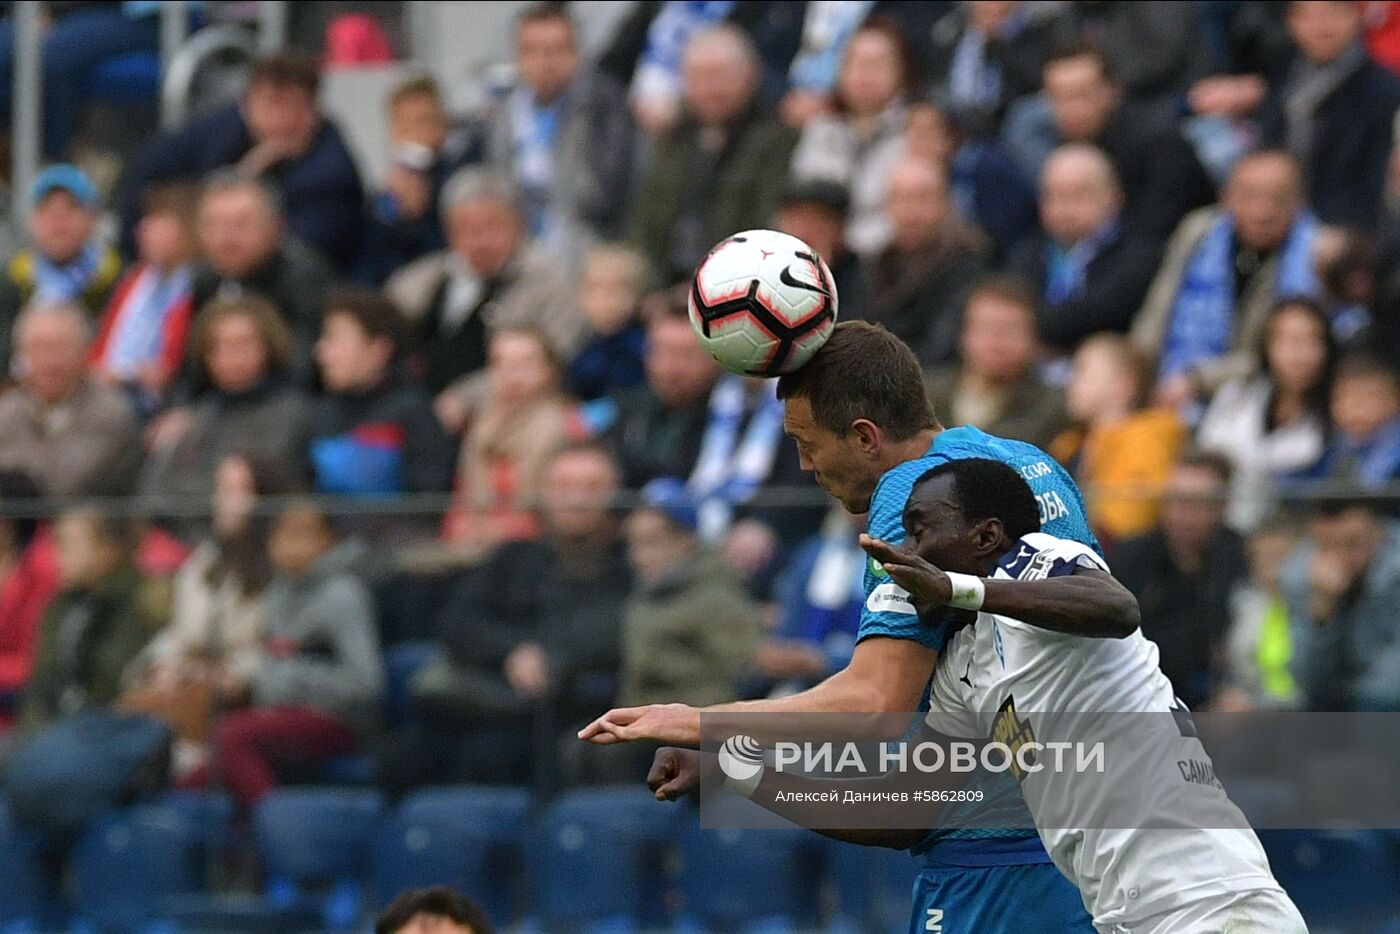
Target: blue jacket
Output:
[{"x": 321, "y": 190}]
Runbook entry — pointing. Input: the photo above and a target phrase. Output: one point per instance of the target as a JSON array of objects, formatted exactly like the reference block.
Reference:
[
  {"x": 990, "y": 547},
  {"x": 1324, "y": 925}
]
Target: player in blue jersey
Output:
[{"x": 863, "y": 426}]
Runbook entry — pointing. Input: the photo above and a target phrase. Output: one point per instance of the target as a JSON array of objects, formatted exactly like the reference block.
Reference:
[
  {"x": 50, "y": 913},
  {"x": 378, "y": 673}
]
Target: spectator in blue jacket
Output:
[
  {"x": 1365, "y": 444},
  {"x": 275, "y": 132}
]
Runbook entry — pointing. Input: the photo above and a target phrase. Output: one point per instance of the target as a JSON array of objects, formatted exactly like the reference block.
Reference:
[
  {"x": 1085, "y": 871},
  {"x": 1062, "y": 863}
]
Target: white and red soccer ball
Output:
[{"x": 762, "y": 302}]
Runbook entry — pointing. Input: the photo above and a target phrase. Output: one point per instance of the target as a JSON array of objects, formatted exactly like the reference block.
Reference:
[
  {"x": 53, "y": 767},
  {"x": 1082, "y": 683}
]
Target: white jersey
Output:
[{"x": 1002, "y": 678}]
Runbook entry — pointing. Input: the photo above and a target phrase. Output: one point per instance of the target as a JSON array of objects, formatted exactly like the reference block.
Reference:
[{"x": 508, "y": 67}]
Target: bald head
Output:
[
  {"x": 1079, "y": 193},
  {"x": 1264, "y": 194},
  {"x": 51, "y": 343},
  {"x": 918, "y": 202},
  {"x": 719, "y": 70}
]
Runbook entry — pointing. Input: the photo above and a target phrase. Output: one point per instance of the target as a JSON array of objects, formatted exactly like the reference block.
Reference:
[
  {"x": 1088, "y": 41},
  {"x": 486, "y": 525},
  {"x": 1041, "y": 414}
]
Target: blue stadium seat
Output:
[
  {"x": 314, "y": 844},
  {"x": 748, "y": 880},
  {"x": 24, "y": 889},
  {"x": 129, "y": 865},
  {"x": 1320, "y": 870},
  {"x": 596, "y": 859},
  {"x": 873, "y": 885},
  {"x": 466, "y": 837},
  {"x": 354, "y": 769},
  {"x": 130, "y": 78}
]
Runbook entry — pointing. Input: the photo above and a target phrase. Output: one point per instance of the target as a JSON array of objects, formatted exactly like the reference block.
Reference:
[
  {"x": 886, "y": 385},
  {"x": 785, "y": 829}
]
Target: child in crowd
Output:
[
  {"x": 141, "y": 340},
  {"x": 1121, "y": 451},
  {"x": 319, "y": 685},
  {"x": 1364, "y": 446},
  {"x": 609, "y": 293},
  {"x": 66, "y": 261},
  {"x": 1259, "y": 642}
]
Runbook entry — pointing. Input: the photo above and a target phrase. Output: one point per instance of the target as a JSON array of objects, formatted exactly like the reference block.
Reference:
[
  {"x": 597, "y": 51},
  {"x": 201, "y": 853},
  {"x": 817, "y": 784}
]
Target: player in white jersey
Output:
[{"x": 1153, "y": 843}]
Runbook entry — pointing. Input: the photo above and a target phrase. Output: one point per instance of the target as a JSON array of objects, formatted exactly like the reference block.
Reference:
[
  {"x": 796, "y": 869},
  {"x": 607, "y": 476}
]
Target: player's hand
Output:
[
  {"x": 927, "y": 585},
  {"x": 678, "y": 724},
  {"x": 675, "y": 773}
]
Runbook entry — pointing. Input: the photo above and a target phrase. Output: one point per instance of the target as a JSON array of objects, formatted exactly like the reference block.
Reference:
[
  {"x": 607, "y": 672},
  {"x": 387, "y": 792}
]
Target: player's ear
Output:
[
  {"x": 868, "y": 436},
  {"x": 987, "y": 535}
]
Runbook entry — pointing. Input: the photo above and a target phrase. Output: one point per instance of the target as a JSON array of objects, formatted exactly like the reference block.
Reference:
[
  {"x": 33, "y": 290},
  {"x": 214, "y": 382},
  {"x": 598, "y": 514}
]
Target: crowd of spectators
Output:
[{"x": 1160, "y": 240}]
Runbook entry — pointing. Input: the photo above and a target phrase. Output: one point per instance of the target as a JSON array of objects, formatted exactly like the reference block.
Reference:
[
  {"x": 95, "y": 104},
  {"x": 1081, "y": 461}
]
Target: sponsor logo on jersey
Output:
[
  {"x": 890, "y": 598},
  {"x": 878, "y": 569},
  {"x": 1010, "y": 729}
]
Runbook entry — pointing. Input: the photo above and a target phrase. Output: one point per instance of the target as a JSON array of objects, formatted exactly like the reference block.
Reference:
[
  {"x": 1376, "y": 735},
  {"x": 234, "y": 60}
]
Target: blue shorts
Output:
[{"x": 997, "y": 900}]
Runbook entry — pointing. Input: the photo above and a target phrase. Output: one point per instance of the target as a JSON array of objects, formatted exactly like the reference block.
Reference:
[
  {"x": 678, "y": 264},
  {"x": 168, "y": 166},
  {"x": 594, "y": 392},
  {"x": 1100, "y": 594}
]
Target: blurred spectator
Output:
[
  {"x": 1348, "y": 268},
  {"x": 689, "y": 630},
  {"x": 1159, "y": 172},
  {"x": 243, "y": 351},
  {"x": 372, "y": 431},
  {"x": 405, "y": 220},
  {"x": 820, "y": 596},
  {"x": 317, "y": 690},
  {"x": 720, "y": 170},
  {"x": 489, "y": 278},
  {"x": 1090, "y": 268},
  {"x": 98, "y": 623},
  {"x": 523, "y": 419},
  {"x": 996, "y": 387},
  {"x": 28, "y": 581},
  {"x": 63, "y": 428},
  {"x": 1363, "y": 447},
  {"x": 65, "y": 261},
  {"x": 276, "y": 133},
  {"x": 246, "y": 250},
  {"x": 1342, "y": 588},
  {"x": 141, "y": 341},
  {"x": 77, "y": 38},
  {"x": 986, "y": 187},
  {"x": 1259, "y": 644},
  {"x": 858, "y": 144},
  {"x": 438, "y": 910},
  {"x": 815, "y": 212},
  {"x": 988, "y": 54},
  {"x": 1223, "y": 269},
  {"x": 814, "y": 69},
  {"x": 655, "y": 42},
  {"x": 655, "y": 430},
  {"x": 1183, "y": 573},
  {"x": 1156, "y": 49},
  {"x": 917, "y": 285},
  {"x": 534, "y": 630},
  {"x": 1335, "y": 112},
  {"x": 1121, "y": 449},
  {"x": 609, "y": 298},
  {"x": 213, "y": 641},
  {"x": 563, "y": 134},
  {"x": 1274, "y": 423},
  {"x": 1382, "y": 27}
]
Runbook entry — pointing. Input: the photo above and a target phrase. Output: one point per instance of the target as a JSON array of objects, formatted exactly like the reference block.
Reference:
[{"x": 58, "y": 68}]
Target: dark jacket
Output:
[
  {"x": 1352, "y": 135},
  {"x": 571, "y": 605},
  {"x": 692, "y": 198},
  {"x": 1115, "y": 283},
  {"x": 1018, "y": 59},
  {"x": 1032, "y": 411},
  {"x": 294, "y": 279},
  {"x": 920, "y": 296},
  {"x": 651, "y": 441},
  {"x": 607, "y": 363},
  {"x": 1161, "y": 177},
  {"x": 321, "y": 190},
  {"x": 991, "y": 192},
  {"x": 86, "y": 641},
  {"x": 381, "y": 442},
  {"x": 1186, "y": 614}
]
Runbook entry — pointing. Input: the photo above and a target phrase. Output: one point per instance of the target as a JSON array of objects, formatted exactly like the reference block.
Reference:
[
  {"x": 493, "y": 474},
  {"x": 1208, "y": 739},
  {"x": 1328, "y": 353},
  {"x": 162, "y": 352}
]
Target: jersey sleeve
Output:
[
  {"x": 1039, "y": 556},
  {"x": 887, "y": 611}
]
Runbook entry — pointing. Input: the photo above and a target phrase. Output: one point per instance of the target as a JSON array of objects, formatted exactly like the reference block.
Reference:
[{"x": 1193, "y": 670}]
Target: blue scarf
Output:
[
  {"x": 1202, "y": 320},
  {"x": 1065, "y": 269},
  {"x": 731, "y": 468},
  {"x": 66, "y": 283}
]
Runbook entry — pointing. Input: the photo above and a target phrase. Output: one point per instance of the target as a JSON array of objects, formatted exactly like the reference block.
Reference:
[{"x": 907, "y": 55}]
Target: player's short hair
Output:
[
  {"x": 287, "y": 69},
  {"x": 863, "y": 371},
  {"x": 438, "y": 900},
  {"x": 988, "y": 489},
  {"x": 414, "y": 87},
  {"x": 375, "y": 315}
]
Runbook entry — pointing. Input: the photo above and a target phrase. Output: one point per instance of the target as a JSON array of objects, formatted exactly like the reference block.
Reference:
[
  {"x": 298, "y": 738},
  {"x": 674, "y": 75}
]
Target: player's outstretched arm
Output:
[
  {"x": 1088, "y": 602},
  {"x": 884, "y": 676}
]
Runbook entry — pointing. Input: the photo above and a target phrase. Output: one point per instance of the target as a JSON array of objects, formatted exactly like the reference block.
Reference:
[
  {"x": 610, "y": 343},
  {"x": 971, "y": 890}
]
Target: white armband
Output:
[{"x": 968, "y": 591}]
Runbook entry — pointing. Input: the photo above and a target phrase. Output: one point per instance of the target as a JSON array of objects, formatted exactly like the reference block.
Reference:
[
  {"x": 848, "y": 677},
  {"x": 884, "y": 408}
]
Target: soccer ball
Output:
[{"x": 762, "y": 303}]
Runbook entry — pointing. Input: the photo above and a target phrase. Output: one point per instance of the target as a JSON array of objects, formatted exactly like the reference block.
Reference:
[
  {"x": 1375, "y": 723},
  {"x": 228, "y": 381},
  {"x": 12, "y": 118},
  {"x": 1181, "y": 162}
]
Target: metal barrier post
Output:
[
  {"x": 27, "y": 131},
  {"x": 174, "y": 24}
]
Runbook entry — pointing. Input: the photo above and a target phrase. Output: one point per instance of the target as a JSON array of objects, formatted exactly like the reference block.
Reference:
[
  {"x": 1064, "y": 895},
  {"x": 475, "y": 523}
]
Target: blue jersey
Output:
[{"x": 887, "y": 610}]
